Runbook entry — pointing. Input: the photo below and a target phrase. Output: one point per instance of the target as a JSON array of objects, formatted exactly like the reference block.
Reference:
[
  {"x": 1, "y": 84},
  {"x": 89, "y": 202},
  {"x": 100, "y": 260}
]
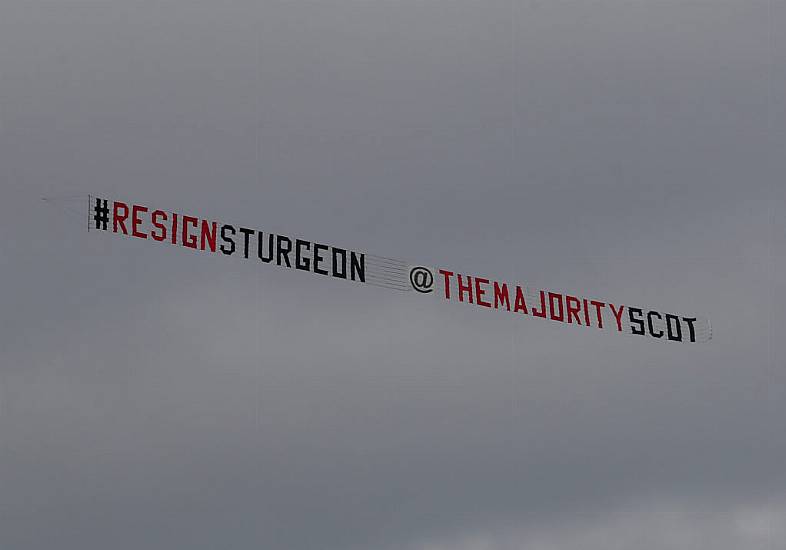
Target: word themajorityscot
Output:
[
  {"x": 565, "y": 308},
  {"x": 224, "y": 239}
]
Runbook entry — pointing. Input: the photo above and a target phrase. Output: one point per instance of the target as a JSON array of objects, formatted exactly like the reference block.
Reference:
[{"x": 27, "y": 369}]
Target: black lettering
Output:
[
  {"x": 690, "y": 321},
  {"x": 650, "y": 315},
  {"x": 246, "y": 236},
  {"x": 674, "y": 337},
  {"x": 283, "y": 251},
  {"x": 358, "y": 265},
  {"x": 638, "y": 322},
  {"x": 301, "y": 262},
  {"x": 231, "y": 249},
  {"x": 260, "y": 248},
  {"x": 319, "y": 259},
  {"x": 343, "y": 263}
]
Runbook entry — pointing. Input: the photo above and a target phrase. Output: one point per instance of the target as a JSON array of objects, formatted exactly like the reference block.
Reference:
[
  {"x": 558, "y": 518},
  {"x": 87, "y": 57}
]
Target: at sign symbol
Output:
[{"x": 422, "y": 279}]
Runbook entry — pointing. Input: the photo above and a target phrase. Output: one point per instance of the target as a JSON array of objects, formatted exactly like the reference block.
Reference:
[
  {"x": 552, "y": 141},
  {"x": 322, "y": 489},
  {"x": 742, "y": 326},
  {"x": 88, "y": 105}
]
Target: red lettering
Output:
[
  {"x": 542, "y": 312},
  {"x": 573, "y": 306},
  {"x": 553, "y": 295},
  {"x": 447, "y": 275},
  {"x": 158, "y": 225},
  {"x": 189, "y": 240},
  {"x": 136, "y": 220},
  {"x": 465, "y": 289},
  {"x": 617, "y": 315},
  {"x": 118, "y": 218},
  {"x": 598, "y": 307},
  {"x": 174, "y": 228},
  {"x": 208, "y": 236},
  {"x": 521, "y": 303},
  {"x": 501, "y": 295},
  {"x": 479, "y": 292},
  {"x": 586, "y": 312}
]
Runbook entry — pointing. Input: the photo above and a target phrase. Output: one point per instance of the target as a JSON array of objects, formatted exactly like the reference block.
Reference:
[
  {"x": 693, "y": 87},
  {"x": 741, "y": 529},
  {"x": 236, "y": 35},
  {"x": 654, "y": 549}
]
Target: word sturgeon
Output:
[{"x": 210, "y": 236}]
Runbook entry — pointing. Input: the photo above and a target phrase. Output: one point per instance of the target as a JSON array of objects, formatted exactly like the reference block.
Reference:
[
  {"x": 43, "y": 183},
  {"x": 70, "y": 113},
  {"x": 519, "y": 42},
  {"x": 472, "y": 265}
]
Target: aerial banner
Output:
[{"x": 216, "y": 237}]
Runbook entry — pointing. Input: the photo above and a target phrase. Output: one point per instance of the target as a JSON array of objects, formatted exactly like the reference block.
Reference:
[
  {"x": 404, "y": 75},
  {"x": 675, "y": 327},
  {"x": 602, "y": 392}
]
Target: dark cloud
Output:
[{"x": 161, "y": 399}]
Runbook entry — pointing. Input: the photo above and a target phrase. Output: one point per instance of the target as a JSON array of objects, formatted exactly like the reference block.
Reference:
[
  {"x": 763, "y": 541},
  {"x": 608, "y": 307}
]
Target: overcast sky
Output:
[{"x": 152, "y": 397}]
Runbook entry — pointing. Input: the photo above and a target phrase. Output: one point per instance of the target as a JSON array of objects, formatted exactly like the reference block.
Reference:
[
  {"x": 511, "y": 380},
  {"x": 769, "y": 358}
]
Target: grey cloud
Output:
[
  {"x": 151, "y": 397},
  {"x": 655, "y": 524}
]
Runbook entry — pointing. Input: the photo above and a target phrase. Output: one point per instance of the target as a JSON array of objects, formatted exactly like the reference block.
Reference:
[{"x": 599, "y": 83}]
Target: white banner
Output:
[{"x": 210, "y": 236}]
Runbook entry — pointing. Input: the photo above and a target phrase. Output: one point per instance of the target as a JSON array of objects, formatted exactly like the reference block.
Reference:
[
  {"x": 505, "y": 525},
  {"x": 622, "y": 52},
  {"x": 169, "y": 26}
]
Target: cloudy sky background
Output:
[{"x": 151, "y": 397}]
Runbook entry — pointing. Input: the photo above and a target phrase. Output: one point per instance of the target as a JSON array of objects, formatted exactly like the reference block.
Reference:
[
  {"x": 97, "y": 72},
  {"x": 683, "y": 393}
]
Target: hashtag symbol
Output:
[{"x": 101, "y": 216}]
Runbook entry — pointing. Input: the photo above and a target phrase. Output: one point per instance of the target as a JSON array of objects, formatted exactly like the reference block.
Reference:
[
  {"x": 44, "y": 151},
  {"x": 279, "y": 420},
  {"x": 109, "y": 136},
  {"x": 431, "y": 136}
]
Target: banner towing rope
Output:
[{"x": 214, "y": 237}]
